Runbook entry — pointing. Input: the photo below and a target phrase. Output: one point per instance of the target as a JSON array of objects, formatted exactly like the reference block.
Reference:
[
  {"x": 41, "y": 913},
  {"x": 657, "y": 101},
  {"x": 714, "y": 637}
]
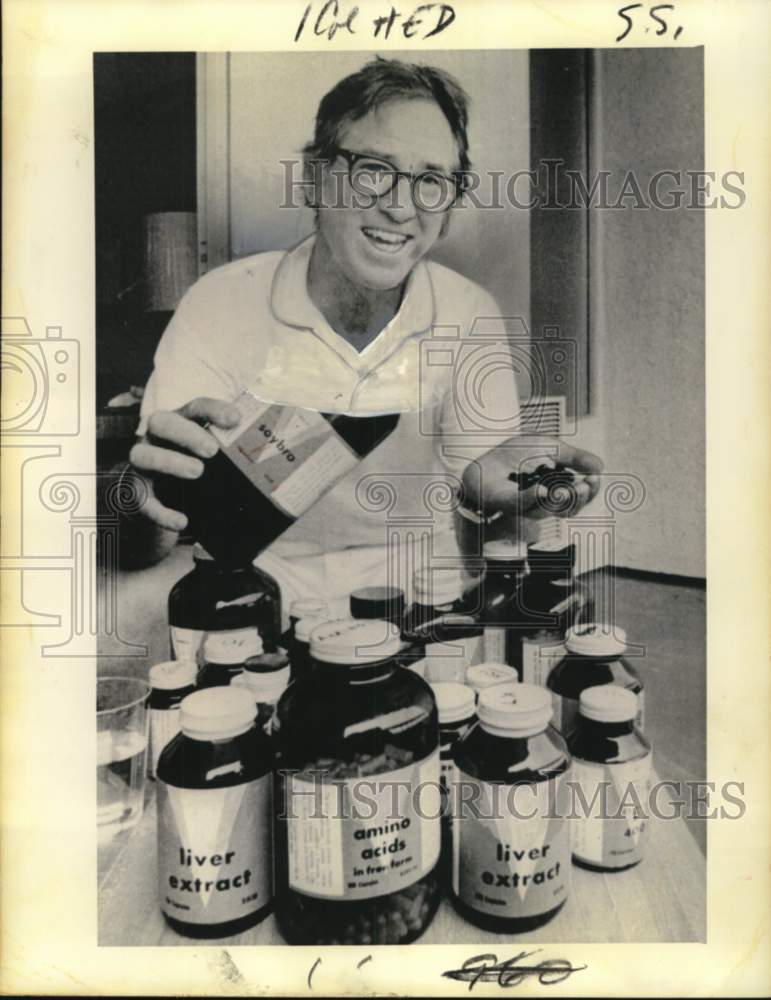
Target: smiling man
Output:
[{"x": 341, "y": 323}]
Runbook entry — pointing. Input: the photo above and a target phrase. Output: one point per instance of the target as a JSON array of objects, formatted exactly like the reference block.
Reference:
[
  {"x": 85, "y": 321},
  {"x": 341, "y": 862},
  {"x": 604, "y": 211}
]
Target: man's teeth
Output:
[{"x": 386, "y": 240}]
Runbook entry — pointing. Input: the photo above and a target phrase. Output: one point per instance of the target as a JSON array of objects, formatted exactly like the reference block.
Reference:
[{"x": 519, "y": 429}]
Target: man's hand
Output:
[
  {"x": 174, "y": 445},
  {"x": 504, "y": 484}
]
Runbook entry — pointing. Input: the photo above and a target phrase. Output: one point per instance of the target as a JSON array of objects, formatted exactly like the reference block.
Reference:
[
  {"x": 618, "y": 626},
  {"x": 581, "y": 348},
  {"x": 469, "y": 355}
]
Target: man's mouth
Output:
[{"x": 385, "y": 240}]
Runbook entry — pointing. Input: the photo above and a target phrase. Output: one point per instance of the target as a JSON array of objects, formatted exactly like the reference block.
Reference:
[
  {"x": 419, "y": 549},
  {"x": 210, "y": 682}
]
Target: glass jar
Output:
[
  {"x": 511, "y": 848},
  {"x": 498, "y": 596},
  {"x": 449, "y": 636},
  {"x": 224, "y": 655},
  {"x": 169, "y": 684},
  {"x": 593, "y": 656},
  {"x": 214, "y": 818},
  {"x": 299, "y": 646},
  {"x": 265, "y": 678},
  {"x": 485, "y": 675},
  {"x": 612, "y": 767},
  {"x": 357, "y": 795}
]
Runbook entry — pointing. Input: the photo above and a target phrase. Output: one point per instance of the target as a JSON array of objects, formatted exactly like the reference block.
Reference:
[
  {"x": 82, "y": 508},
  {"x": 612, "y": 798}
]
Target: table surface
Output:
[{"x": 661, "y": 899}]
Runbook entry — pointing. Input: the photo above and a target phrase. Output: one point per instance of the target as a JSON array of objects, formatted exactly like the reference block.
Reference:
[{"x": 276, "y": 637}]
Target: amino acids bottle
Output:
[
  {"x": 610, "y": 754},
  {"x": 552, "y": 601},
  {"x": 451, "y": 636},
  {"x": 214, "y": 818},
  {"x": 511, "y": 849},
  {"x": 214, "y": 597},
  {"x": 357, "y": 726},
  {"x": 225, "y": 654},
  {"x": 269, "y": 470},
  {"x": 169, "y": 683},
  {"x": 593, "y": 655},
  {"x": 505, "y": 569}
]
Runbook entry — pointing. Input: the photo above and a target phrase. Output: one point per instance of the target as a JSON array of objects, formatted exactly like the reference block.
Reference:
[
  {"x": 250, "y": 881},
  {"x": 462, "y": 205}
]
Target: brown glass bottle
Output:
[
  {"x": 438, "y": 619},
  {"x": 497, "y": 597},
  {"x": 357, "y": 723},
  {"x": 511, "y": 850}
]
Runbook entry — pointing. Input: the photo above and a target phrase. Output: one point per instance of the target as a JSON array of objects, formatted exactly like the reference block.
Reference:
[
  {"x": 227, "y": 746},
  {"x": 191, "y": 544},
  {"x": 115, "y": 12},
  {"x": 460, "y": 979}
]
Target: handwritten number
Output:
[
  {"x": 660, "y": 20},
  {"x": 622, "y": 13},
  {"x": 315, "y": 966}
]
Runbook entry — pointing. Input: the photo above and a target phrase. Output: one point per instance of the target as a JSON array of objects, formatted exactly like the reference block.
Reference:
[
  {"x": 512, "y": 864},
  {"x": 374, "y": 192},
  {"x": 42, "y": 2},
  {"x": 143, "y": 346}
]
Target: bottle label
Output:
[
  {"x": 364, "y": 837},
  {"x": 185, "y": 642},
  {"x": 611, "y": 830},
  {"x": 291, "y": 455},
  {"x": 164, "y": 726},
  {"x": 539, "y": 659},
  {"x": 494, "y": 644},
  {"x": 511, "y": 847},
  {"x": 449, "y": 661},
  {"x": 214, "y": 851}
]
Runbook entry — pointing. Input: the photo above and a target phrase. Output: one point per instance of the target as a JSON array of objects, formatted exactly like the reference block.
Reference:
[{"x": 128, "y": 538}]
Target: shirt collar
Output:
[{"x": 292, "y": 305}]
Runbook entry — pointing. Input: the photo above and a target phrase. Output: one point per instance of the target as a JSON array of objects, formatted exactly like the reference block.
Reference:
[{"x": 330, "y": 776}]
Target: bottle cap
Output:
[
  {"x": 234, "y": 646},
  {"x": 484, "y": 675},
  {"x": 505, "y": 551},
  {"x": 200, "y": 554},
  {"x": 434, "y": 587},
  {"x": 377, "y": 602},
  {"x": 304, "y": 627},
  {"x": 216, "y": 713},
  {"x": 266, "y": 663},
  {"x": 265, "y": 687},
  {"x": 355, "y": 641},
  {"x": 454, "y": 702},
  {"x": 174, "y": 674},
  {"x": 309, "y": 607},
  {"x": 515, "y": 709},
  {"x": 608, "y": 703},
  {"x": 552, "y": 554},
  {"x": 595, "y": 639}
]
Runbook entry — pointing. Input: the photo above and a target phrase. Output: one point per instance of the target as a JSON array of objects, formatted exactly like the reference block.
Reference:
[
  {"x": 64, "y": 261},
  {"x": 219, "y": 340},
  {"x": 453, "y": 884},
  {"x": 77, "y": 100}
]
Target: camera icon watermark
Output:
[
  {"x": 41, "y": 381},
  {"x": 481, "y": 367}
]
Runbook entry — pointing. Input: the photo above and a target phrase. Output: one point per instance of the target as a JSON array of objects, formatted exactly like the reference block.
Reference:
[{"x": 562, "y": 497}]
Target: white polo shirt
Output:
[{"x": 442, "y": 363}]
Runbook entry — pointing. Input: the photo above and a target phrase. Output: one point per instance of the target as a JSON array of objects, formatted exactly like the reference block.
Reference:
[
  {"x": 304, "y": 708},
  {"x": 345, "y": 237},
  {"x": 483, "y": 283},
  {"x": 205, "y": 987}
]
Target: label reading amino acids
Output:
[
  {"x": 364, "y": 837},
  {"x": 511, "y": 849},
  {"x": 613, "y": 833},
  {"x": 214, "y": 851}
]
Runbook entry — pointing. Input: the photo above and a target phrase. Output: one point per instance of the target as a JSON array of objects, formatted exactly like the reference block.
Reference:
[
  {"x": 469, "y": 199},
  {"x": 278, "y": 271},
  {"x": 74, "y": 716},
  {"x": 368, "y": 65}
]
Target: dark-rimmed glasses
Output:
[{"x": 373, "y": 178}]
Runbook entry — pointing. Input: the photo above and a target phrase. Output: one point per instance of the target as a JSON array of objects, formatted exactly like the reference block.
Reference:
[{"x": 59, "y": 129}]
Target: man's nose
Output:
[{"x": 398, "y": 204}]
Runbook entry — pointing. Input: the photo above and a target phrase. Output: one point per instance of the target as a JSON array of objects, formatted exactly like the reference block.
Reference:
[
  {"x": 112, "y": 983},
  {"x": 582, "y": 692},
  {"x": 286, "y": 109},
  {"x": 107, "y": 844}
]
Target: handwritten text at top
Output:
[{"x": 328, "y": 19}]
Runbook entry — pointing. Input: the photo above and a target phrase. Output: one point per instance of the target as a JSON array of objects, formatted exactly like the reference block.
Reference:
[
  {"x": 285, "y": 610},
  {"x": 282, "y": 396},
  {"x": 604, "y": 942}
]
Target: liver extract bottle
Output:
[
  {"x": 511, "y": 849},
  {"x": 269, "y": 470},
  {"x": 593, "y": 655},
  {"x": 214, "y": 818},
  {"x": 214, "y": 597},
  {"x": 612, "y": 766},
  {"x": 357, "y": 794}
]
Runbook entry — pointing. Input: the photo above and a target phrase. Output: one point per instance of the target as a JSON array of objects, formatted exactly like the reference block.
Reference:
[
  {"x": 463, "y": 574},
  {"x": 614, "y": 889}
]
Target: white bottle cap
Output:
[
  {"x": 200, "y": 554},
  {"x": 355, "y": 641},
  {"x": 434, "y": 587},
  {"x": 309, "y": 607},
  {"x": 234, "y": 646},
  {"x": 484, "y": 675},
  {"x": 264, "y": 688},
  {"x": 515, "y": 710},
  {"x": 454, "y": 702},
  {"x": 595, "y": 639},
  {"x": 304, "y": 627},
  {"x": 216, "y": 713},
  {"x": 608, "y": 703},
  {"x": 505, "y": 550},
  {"x": 174, "y": 674}
]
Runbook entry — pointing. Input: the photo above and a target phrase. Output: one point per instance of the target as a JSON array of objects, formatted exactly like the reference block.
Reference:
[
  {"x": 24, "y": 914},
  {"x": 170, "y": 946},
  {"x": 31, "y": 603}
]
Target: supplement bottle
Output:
[
  {"x": 299, "y": 646},
  {"x": 451, "y": 637},
  {"x": 217, "y": 598},
  {"x": 612, "y": 766},
  {"x": 225, "y": 654},
  {"x": 485, "y": 675},
  {"x": 265, "y": 684},
  {"x": 511, "y": 849},
  {"x": 383, "y": 603},
  {"x": 271, "y": 468},
  {"x": 214, "y": 818},
  {"x": 303, "y": 607},
  {"x": 552, "y": 602},
  {"x": 456, "y": 705},
  {"x": 499, "y": 599},
  {"x": 593, "y": 656},
  {"x": 170, "y": 683},
  {"x": 357, "y": 795}
]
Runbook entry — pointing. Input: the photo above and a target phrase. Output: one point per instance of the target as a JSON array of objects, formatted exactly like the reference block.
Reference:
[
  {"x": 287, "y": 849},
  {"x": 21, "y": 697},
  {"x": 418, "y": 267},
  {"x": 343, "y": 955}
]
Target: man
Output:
[{"x": 341, "y": 323}]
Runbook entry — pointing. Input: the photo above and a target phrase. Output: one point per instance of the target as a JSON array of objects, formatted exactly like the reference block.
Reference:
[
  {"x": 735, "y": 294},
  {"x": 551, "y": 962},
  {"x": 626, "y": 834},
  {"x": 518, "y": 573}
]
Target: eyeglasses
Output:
[{"x": 373, "y": 178}]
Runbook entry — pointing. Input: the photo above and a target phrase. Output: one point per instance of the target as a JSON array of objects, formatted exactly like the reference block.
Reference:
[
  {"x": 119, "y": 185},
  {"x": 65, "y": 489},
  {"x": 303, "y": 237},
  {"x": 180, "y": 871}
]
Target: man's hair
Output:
[{"x": 378, "y": 82}]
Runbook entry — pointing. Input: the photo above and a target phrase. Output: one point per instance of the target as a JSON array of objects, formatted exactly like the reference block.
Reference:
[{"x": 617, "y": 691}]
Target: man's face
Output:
[{"x": 376, "y": 243}]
